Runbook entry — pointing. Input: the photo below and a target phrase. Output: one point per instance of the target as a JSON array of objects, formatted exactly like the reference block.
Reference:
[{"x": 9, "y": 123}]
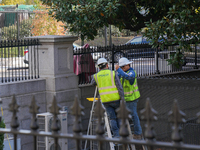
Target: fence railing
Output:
[
  {"x": 19, "y": 60},
  {"x": 146, "y": 61},
  {"x": 176, "y": 118}
]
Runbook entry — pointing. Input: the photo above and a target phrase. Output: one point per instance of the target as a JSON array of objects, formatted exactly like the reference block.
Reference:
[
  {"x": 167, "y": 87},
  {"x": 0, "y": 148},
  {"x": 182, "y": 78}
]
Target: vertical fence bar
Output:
[
  {"x": 195, "y": 57},
  {"x": 32, "y": 59},
  {"x": 17, "y": 60},
  {"x": 13, "y": 107},
  {"x": 2, "y": 60},
  {"x": 35, "y": 63},
  {"x": 18, "y": 57},
  {"x": 38, "y": 57},
  {"x": 55, "y": 127},
  {"x": 99, "y": 113},
  {"x": 11, "y": 65},
  {"x": 26, "y": 71},
  {"x": 9, "y": 50},
  {"x": 34, "y": 125},
  {"x": 77, "y": 111},
  {"x": 157, "y": 70},
  {"x": 113, "y": 50},
  {"x": 22, "y": 65},
  {"x": 149, "y": 115},
  {"x": 5, "y": 57}
]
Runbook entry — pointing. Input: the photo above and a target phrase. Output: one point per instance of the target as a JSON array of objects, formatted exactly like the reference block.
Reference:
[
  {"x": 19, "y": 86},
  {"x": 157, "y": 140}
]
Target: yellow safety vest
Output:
[
  {"x": 131, "y": 92},
  {"x": 107, "y": 89}
]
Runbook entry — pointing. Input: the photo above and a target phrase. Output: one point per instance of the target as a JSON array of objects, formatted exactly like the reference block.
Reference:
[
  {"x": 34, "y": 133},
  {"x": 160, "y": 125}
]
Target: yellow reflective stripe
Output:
[
  {"x": 111, "y": 92},
  {"x": 131, "y": 92},
  {"x": 108, "y": 87},
  {"x": 135, "y": 85}
]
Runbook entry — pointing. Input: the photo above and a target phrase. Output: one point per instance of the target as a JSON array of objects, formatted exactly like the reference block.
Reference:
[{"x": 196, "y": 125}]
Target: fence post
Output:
[
  {"x": 17, "y": 17},
  {"x": 195, "y": 58},
  {"x": 157, "y": 70},
  {"x": 113, "y": 61},
  {"x": 56, "y": 66}
]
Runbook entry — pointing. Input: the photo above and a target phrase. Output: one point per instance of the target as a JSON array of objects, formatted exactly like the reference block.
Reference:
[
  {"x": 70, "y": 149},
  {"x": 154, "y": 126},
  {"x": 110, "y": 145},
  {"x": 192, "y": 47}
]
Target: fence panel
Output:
[
  {"x": 146, "y": 61},
  {"x": 19, "y": 60},
  {"x": 176, "y": 118}
]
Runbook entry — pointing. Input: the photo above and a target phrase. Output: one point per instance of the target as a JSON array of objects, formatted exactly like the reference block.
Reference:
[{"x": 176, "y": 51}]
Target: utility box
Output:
[{"x": 45, "y": 120}]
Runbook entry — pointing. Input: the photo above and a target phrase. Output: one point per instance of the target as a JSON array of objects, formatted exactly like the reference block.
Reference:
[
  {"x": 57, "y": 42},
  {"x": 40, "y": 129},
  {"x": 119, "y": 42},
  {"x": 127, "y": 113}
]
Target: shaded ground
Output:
[{"x": 101, "y": 41}]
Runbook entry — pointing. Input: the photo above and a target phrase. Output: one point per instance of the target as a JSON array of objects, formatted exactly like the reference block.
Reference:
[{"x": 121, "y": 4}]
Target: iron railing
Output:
[
  {"x": 19, "y": 60},
  {"x": 146, "y": 61},
  {"x": 176, "y": 118}
]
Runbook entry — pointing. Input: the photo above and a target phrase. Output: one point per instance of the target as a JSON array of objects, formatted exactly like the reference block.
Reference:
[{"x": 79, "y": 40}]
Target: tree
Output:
[
  {"x": 29, "y": 2},
  {"x": 180, "y": 24},
  {"x": 90, "y": 15},
  {"x": 12, "y": 2},
  {"x": 10, "y": 32},
  {"x": 43, "y": 24}
]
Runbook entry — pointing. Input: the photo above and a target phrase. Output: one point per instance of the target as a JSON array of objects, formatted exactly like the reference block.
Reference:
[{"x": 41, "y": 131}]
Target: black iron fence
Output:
[
  {"x": 147, "y": 61},
  {"x": 19, "y": 60},
  {"x": 176, "y": 118}
]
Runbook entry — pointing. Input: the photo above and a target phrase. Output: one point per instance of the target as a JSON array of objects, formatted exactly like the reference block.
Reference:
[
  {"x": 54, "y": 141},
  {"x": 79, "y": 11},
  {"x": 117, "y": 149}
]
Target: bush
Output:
[
  {"x": 2, "y": 125},
  {"x": 10, "y": 32}
]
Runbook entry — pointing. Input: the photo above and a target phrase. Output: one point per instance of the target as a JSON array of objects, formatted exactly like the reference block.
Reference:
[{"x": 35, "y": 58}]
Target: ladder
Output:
[{"x": 107, "y": 125}]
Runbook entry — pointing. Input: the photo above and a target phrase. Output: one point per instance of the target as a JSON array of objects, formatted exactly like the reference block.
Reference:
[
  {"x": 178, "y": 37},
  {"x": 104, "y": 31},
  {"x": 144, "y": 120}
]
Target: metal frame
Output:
[{"x": 176, "y": 117}]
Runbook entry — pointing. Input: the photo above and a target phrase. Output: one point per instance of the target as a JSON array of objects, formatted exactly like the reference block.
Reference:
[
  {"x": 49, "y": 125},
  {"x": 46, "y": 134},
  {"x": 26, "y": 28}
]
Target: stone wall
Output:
[
  {"x": 162, "y": 93},
  {"x": 24, "y": 92},
  {"x": 56, "y": 79}
]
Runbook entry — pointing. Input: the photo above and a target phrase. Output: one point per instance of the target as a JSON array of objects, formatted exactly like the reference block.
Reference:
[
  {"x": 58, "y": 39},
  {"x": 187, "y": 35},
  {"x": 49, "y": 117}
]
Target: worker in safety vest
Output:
[
  {"x": 110, "y": 91},
  {"x": 128, "y": 78}
]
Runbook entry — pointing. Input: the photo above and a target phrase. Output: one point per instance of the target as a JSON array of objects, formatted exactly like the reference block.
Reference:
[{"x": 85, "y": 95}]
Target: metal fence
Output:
[
  {"x": 19, "y": 60},
  {"x": 146, "y": 61},
  {"x": 176, "y": 118},
  {"x": 15, "y": 23}
]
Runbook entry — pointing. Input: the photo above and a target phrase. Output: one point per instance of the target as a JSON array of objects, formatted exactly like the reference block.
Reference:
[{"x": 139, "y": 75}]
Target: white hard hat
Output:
[
  {"x": 124, "y": 61},
  {"x": 101, "y": 61}
]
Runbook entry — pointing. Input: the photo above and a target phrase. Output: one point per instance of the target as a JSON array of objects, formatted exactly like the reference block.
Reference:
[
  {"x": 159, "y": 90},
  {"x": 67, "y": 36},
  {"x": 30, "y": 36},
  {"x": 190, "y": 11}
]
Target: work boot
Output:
[{"x": 137, "y": 137}]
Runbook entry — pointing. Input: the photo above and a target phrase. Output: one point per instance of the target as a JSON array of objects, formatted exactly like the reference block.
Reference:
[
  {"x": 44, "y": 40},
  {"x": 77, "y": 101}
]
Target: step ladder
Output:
[{"x": 107, "y": 125}]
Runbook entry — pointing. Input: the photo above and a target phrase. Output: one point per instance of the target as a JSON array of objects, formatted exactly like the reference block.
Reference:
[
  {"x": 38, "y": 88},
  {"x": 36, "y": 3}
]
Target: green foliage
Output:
[
  {"x": 11, "y": 52},
  {"x": 176, "y": 59},
  {"x": 12, "y": 2},
  {"x": 181, "y": 23},
  {"x": 29, "y": 2},
  {"x": 169, "y": 20},
  {"x": 2, "y": 125},
  {"x": 87, "y": 17},
  {"x": 10, "y": 32}
]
